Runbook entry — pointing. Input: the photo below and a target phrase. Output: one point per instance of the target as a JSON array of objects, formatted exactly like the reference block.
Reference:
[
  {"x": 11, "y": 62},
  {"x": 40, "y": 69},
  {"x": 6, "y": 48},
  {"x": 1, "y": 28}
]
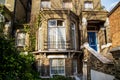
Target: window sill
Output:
[{"x": 57, "y": 49}]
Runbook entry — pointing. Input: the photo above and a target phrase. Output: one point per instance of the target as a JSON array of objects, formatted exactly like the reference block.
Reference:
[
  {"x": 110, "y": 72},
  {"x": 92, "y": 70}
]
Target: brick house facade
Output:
[
  {"x": 65, "y": 26},
  {"x": 56, "y": 44},
  {"x": 115, "y": 25}
]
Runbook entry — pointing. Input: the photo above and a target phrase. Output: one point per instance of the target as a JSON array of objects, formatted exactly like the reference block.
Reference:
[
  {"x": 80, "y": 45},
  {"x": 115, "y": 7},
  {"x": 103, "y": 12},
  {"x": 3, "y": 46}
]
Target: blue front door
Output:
[{"x": 92, "y": 40}]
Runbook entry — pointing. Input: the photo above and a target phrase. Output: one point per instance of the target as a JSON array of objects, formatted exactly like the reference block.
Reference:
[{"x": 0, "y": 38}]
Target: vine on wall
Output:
[
  {"x": 1, "y": 19},
  {"x": 31, "y": 30}
]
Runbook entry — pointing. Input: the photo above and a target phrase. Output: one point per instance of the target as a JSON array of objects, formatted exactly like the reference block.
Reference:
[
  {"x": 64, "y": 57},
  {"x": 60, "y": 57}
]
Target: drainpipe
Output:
[{"x": 14, "y": 18}]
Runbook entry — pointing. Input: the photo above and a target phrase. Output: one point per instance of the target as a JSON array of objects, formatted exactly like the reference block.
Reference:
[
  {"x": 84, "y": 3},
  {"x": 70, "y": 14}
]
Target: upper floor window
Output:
[
  {"x": 67, "y": 4},
  {"x": 45, "y": 4},
  {"x": 88, "y": 5},
  {"x": 73, "y": 35},
  {"x": 20, "y": 39},
  {"x": 2, "y": 1},
  {"x": 56, "y": 34}
]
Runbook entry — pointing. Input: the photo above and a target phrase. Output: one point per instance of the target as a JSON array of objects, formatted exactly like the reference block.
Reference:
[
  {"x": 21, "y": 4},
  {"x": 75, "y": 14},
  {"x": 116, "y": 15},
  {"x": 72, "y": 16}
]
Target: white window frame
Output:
[
  {"x": 57, "y": 66},
  {"x": 56, "y": 36},
  {"x": 73, "y": 28},
  {"x": 88, "y": 5},
  {"x": 23, "y": 38},
  {"x": 45, "y": 4}
]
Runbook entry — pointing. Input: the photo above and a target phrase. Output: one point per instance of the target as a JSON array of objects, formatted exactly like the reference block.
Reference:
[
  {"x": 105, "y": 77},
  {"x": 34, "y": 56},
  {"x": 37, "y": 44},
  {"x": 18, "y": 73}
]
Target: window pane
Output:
[
  {"x": 21, "y": 42},
  {"x": 73, "y": 38},
  {"x": 56, "y": 34},
  {"x": 21, "y": 39},
  {"x": 52, "y": 38},
  {"x": 60, "y": 23},
  {"x": 57, "y": 66},
  {"x": 45, "y": 4},
  {"x": 88, "y": 5},
  {"x": 52, "y": 23},
  {"x": 21, "y": 35},
  {"x": 61, "y": 38}
]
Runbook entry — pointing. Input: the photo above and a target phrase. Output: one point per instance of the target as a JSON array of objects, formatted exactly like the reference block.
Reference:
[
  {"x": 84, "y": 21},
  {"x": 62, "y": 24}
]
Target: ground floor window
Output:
[
  {"x": 57, "y": 66},
  {"x": 74, "y": 66}
]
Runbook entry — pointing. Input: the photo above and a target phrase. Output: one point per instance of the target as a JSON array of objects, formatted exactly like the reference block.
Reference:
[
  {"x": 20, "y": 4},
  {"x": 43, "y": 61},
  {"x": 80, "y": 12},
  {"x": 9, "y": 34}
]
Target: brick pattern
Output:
[
  {"x": 115, "y": 37},
  {"x": 115, "y": 27}
]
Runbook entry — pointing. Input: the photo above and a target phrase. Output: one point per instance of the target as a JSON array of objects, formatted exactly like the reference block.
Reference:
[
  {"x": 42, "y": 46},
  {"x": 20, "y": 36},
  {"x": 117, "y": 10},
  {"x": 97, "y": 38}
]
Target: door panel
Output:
[{"x": 92, "y": 40}]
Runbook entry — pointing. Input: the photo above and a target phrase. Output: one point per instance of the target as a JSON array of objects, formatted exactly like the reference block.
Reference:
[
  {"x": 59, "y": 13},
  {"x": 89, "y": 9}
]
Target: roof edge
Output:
[{"x": 118, "y": 4}]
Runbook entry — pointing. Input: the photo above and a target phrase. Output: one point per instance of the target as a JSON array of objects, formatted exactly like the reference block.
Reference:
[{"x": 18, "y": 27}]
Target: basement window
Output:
[
  {"x": 45, "y": 4},
  {"x": 57, "y": 66}
]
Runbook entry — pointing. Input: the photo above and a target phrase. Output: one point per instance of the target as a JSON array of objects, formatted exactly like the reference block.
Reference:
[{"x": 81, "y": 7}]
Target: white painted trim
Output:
[
  {"x": 96, "y": 75},
  {"x": 98, "y": 48},
  {"x": 56, "y": 56},
  {"x": 106, "y": 45}
]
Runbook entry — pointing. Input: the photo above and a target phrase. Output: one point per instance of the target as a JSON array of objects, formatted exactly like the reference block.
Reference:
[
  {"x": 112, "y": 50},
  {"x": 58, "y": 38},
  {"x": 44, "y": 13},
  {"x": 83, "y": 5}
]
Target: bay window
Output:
[{"x": 56, "y": 34}]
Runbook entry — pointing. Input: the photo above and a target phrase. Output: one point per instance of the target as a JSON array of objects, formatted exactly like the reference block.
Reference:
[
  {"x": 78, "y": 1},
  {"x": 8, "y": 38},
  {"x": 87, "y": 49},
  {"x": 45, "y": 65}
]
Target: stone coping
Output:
[
  {"x": 99, "y": 56},
  {"x": 115, "y": 49},
  {"x": 57, "y": 51}
]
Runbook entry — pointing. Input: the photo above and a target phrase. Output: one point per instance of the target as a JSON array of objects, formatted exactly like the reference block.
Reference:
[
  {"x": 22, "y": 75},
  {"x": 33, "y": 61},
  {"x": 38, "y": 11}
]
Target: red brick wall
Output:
[{"x": 115, "y": 27}]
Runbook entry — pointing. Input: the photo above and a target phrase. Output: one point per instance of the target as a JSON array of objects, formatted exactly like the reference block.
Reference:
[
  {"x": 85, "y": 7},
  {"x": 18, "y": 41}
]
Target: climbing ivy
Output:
[
  {"x": 13, "y": 64},
  {"x": 1, "y": 23},
  {"x": 31, "y": 30},
  {"x": 1, "y": 9}
]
